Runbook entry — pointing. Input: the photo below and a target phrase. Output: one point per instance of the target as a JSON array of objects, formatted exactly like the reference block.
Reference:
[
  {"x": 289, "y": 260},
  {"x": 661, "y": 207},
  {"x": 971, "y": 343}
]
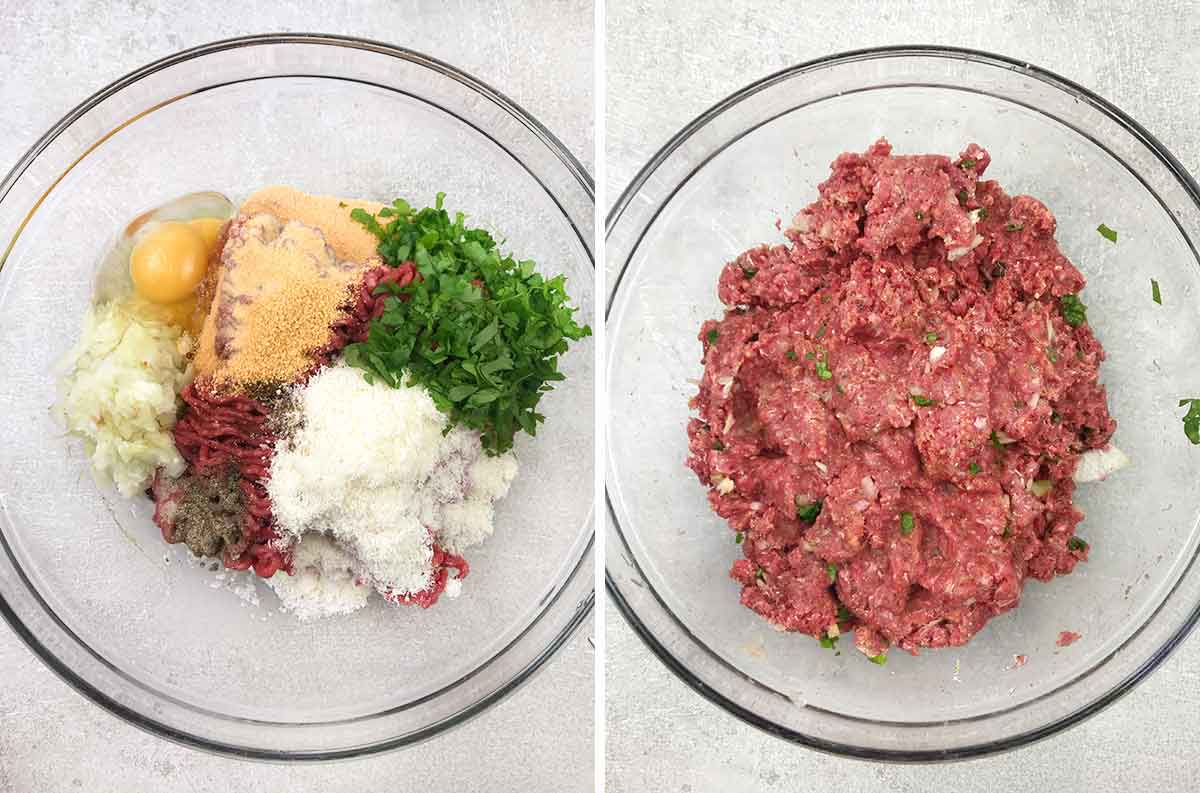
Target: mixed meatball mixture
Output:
[{"x": 894, "y": 405}]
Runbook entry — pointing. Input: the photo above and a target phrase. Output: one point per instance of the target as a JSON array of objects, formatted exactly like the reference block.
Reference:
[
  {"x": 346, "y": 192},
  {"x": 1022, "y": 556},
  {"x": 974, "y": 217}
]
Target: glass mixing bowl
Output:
[
  {"x": 717, "y": 189},
  {"x": 85, "y": 578}
]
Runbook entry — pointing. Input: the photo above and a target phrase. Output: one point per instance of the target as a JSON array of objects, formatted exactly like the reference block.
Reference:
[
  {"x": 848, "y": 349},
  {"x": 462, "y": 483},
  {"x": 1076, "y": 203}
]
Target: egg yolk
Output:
[{"x": 170, "y": 261}]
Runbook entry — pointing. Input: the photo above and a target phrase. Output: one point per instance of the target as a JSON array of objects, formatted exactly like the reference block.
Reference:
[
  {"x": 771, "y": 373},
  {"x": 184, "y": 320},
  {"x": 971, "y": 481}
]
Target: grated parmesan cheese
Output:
[{"x": 370, "y": 468}]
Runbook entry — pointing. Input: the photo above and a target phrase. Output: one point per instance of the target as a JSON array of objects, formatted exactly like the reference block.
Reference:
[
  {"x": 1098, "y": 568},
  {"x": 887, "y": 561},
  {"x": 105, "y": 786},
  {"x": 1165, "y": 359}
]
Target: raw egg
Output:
[{"x": 170, "y": 261}]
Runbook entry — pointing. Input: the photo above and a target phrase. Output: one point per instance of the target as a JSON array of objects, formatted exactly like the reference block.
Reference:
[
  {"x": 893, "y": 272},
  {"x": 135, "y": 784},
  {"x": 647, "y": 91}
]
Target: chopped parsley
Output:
[
  {"x": 966, "y": 163},
  {"x": 1191, "y": 421},
  {"x": 760, "y": 574},
  {"x": 718, "y": 446},
  {"x": 827, "y": 641},
  {"x": 922, "y": 401},
  {"x": 1155, "y": 294},
  {"x": 843, "y": 614},
  {"x": 983, "y": 213},
  {"x": 749, "y": 272},
  {"x": 973, "y": 469},
  {"x": 878, "y": 660},
  {"x": 831, "y": 571},
  {"x": 1076, "y": 544},
  {"x": 994, "y": 439},
  {"x": 999, "y": 268},
  {"x": 823, "y": 371},
  {"x": 820, "y": 331},
  {"x": 962, "y": 196},
  {"x": 1055, "y": 418},
  {"x": 1007, "y": 528},
  {"x": 712, "y": 336},
  {"x": 1014, "y": 226},
  {"x": 791, "y": 354},
  {"x": 1074, "y": 312},
  {"x": 1052, "y": 354},
  {"x": 807, "y": 512},
  {"x": 480, "y": 331},
  {"x": 930, "y": 337},
  {"x": 919, "y": 215},
  {"x": 907, "y": 523},
  {"x": 739, "y": 538},
  {"x": 810, "y": 356},
  {"x": 1107, "y": 233}
]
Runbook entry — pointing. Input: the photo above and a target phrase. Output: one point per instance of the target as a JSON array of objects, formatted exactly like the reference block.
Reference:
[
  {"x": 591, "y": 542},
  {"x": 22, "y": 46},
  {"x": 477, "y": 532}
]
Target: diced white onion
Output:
[
  {"x": 1096, "y": 464},
  {"x": 936, "y": 353}
]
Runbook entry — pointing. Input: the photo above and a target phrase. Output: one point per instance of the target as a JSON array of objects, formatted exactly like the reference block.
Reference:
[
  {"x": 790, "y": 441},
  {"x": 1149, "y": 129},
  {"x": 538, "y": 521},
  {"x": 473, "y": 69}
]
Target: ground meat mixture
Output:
[{"x": 894, "y": 404}]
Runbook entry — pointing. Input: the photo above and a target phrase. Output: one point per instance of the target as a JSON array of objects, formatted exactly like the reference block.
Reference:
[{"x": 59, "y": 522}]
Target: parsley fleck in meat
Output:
[
  {"x": 1107, "y": 233},
  {"x": 1155, "y": 293},
  {"x": 1074, "y": 312},
  {"x": 807, "y": 512},
  {"x": 907, "y": 523}
]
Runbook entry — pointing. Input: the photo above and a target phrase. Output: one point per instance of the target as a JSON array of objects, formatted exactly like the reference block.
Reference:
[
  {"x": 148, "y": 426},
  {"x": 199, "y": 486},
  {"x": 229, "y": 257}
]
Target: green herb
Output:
[
  {"x": 999, "y": 268},
  {"x": 922, "y": 401},
  {"x": 1052, "y": 354},
  {"x": 1055, "y": 418},
  {"x": 843, "y": 614},
  {"x": 1076, "y": 544},
  {"x": 1007, "y": 528},
  {"x": 1107, "y": 233},
  {"x": 930, "y": 337},
  {"x": 749, "y": 272},
  {"x": 712, "y": 336},
  {"x": 1073, "y": 310},
  {"x": 1155, "y": 294},
  {"x": 807, "y": 512},
  {"x": 919, "y": 215},
  {"x": 480, "y": 331},
  {"x": 994, "y": 439},
  {"x": 739, "y": 538},
  {"x": 983, "y": 213},
  {"x": 823, "y": 371},
  {"x": 973, "y": 469},
  {"x": 1191, "y": 421},
  {"x": 718, "y": 446},
  {"x": 760, "y": 574},
  {"x": 1085, "y": 433},
  {"x": 907, "y": 524},
  {"x": 831, "y": 571},
  {"x": 1014, "y": 226},
  {"x": 810, "y": 356},
  {"x": 821, "y": 331},
  {"x": 838, "y": 387},
  {"x": 962, "y": 196},
  {"x": 966, "y": 163},
  {"x": 827, "y": 641},
  {"x": 791, "y": 354},
  {"x": 878, "y": 660}
]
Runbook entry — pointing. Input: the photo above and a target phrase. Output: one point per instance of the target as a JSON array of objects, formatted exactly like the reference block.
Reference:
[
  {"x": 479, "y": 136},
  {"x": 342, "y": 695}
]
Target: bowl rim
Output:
[
  {"x": 673, "y": 661},
  {"x": 581, "y": 611}
]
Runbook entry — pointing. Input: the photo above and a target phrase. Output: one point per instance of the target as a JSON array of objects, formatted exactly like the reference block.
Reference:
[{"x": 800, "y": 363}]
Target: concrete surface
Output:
[
  {"x": 667, "y": 62},
  {"x": 54, "y": 55}
]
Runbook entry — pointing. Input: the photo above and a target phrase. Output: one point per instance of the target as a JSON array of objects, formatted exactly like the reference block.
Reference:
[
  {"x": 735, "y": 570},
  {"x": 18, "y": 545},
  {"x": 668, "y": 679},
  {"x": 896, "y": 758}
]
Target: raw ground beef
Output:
[{"x": 904, "y": 367}]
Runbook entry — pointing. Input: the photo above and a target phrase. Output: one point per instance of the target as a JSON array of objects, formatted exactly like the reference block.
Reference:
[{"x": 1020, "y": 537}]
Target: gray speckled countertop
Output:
[
  {"x": 669, "y": 62},
  {"x": 54, "y": 55}
]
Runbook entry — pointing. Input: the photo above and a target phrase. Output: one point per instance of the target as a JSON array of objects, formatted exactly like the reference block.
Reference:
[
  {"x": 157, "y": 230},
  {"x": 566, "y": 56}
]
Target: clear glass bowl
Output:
[
  {"x": 715, "y": 190},
  {"x": 85, "y": 578}
]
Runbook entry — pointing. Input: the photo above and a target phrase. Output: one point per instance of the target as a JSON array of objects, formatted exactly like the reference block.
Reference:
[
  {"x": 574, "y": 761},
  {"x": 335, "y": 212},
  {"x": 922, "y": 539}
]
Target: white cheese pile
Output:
[
  {"x": 119, "y": 393},
  {"x": 370, "y": 468}
]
